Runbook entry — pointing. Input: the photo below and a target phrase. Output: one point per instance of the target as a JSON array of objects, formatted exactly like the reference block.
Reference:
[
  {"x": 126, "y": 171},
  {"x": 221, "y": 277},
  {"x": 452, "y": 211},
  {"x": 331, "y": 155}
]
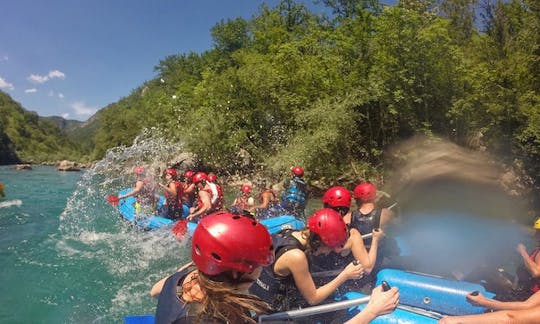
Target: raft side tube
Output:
[
  {"x": 433, "y": 293},
  {"x": 397, "y": 316}
]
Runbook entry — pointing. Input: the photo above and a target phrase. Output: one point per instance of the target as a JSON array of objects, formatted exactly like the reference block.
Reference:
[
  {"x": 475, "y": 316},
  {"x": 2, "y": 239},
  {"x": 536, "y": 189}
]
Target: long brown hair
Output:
[{"x": 224, "y": 303}]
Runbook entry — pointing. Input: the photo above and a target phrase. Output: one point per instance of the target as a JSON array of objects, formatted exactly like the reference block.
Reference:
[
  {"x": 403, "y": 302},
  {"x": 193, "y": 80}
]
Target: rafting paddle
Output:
[
  {"x": 113, "y": 200},
  {"x": 180, "y": 229}
]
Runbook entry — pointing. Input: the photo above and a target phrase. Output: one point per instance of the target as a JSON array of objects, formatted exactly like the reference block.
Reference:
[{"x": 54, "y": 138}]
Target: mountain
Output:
[
  {"x": 65, "y": 125},
  {"x": 26, "y": 137}
]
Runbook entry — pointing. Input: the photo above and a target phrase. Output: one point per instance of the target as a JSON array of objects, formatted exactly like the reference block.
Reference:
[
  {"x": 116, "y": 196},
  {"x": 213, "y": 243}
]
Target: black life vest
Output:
[
  {"x": 170, "y": 308},
  {"x": 280, "y": 292},
  {"x": 365, "y": 223}
]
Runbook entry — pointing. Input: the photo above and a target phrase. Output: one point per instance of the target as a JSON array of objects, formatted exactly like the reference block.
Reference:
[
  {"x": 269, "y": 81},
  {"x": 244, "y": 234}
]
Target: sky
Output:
[{"x": 70, "y": 58}]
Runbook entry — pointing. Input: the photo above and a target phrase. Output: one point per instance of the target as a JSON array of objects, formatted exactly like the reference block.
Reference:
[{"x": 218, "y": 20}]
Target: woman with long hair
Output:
[{"x": 228, "y": 252}]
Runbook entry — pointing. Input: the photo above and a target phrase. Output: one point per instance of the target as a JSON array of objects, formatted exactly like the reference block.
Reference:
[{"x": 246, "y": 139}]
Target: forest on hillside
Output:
[{"x": 334, "y": 92}]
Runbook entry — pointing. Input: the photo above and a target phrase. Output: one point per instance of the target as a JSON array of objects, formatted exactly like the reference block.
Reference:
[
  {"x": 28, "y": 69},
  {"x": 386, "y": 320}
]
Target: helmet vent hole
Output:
[
  {"x": 216, "y": 256},
  {"x": 254, "y": 223},
  {"x": 236, "y": 217},
  {"x": 197, "y": 250}
]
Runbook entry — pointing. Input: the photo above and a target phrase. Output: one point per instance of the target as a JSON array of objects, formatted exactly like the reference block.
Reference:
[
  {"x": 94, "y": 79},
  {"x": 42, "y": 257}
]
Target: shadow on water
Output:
[{"x": 455, "y": 217}]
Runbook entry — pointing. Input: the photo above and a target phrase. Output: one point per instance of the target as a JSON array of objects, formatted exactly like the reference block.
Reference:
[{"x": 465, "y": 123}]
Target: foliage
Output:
[
  {"x": 26, "y": 137},
  {"x": 333, "y": 92}
]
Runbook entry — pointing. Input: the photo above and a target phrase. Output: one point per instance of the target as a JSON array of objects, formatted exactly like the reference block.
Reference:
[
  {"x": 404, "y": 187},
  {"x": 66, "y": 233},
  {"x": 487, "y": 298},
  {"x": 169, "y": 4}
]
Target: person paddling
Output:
[
  {"x": 144, "y": 191},
  {"x": 339, "y": 199},
  {"x": 295, "y": 195},
  {"x": 244, "y": 201},
  {"x": 228, "y": 252},
  {"x": 287, "y": 283},
  {"x": 173, "y": 191},
  {"x": 204, "y": 198}
]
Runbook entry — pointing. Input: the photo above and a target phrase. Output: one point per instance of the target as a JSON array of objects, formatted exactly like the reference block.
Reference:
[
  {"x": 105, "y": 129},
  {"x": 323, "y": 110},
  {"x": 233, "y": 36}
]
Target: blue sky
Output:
[{"x": 72, "y": 57}]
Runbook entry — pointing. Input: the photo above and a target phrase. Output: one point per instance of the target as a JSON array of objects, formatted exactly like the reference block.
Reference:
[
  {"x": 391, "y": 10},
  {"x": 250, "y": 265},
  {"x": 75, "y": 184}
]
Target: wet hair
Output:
[{"x": 224, "y": 303}]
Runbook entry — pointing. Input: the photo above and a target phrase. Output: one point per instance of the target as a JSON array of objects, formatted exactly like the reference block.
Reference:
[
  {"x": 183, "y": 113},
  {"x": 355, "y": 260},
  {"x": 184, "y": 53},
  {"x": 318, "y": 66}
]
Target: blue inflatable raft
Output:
[
  {"x": 127, "y": 210},
  {"x": 423, "y": 300}
]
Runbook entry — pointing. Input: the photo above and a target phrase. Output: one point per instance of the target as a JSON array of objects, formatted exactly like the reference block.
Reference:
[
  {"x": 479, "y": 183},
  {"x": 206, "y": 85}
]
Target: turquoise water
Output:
[{"x": 66, "y": 255}]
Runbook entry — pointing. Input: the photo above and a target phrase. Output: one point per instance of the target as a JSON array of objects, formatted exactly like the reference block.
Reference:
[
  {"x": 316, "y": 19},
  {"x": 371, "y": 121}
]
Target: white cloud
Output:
[
  {"x": 36, "y": 78},
  {"x": 56, "y": 74},
  {"x": 82, "y": 109},
  {"x": 32, "y": 90},
  {"x": 6, "y": 85},
  {"x": 4, "y": 58},
  {"x": 60, "y": 95},
  {"x": 65, "y": 116}
]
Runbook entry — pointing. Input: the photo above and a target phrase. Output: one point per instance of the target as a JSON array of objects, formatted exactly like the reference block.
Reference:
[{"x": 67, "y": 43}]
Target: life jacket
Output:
[
  {"x": 295, "y": 196},
  {"x": 366, "y": 223},
  {"x": 217, "y": 196},
  {"x": 188, "y": 198},
  {"x": 175, "y": 200},
  {"x": 280, "y": 292},
  {"x": 242, "y": 202},
  {"x": 199, "y": 201},
  {"x": 170, "y": 308}
]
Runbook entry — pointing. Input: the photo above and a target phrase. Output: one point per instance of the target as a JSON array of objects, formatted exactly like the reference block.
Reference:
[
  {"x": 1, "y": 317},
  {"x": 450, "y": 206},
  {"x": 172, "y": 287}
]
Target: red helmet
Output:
[
  {"x": 337, "y": 197},
  {"x": 198, "y": 177},
  {"x": 365, "y": 191},
  {"x": 297, "y": 170},
  {"x": 246, "y": 188},
  {"x": 188, "y": 174},
  {"x": 223, "y": 242},
  {"x": 329, "y": 225},
  {"x": 172, "y": 172},
  {"x": 212, "y": 177},
  {"x": 138, "y": 170}
]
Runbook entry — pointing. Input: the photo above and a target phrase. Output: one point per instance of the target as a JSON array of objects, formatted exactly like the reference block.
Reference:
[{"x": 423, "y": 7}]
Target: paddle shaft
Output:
[{"x": 314, "y": 310}]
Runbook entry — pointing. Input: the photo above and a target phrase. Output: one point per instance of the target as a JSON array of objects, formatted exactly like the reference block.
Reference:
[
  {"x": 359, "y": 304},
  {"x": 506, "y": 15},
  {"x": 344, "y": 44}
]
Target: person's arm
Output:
[
  {"x": 380, "y": 303},
  {"x": 481, "y": 300},
  {"x": 206, "y": 205},
  {"x": 532, "y": 265},
  {"x": 265, "y": 200},
  {"x": 138, "y": 187},
  {"x": 356, "y": 244},
  {"x": 170, "y": 188},
  {"x": 158, "y": 286},
  {"x": 295, "y": 262}
]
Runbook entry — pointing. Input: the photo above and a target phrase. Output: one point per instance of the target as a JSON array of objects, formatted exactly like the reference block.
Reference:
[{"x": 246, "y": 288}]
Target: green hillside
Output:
[{"x": 25, "y": 137}]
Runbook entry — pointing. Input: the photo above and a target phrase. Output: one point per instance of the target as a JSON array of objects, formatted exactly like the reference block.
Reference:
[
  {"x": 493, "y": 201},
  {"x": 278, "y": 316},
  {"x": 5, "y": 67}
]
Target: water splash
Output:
[{"x": 127, "y": 260}]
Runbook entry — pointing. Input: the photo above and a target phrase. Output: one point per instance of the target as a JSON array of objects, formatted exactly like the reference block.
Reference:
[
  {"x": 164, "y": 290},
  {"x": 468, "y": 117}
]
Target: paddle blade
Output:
[
  {"x": 113, "y": 200},
  {"x": 180, "y": 229}
]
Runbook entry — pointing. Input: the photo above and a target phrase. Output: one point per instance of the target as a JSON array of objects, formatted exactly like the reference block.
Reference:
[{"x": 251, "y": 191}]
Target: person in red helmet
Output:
[
  {"x": 268, "y": 200},
  {"x": 287, "y": 283},
  {"x": 368, "y": 216},
  {"x": 294, "y": 197},
  {"x": 217, "y": 191},
  {"x": 188, "y": 197},
  {"x": 173, "y": 195},
  {"x": 228, "y": 252},
  {"x": 144, "y": 191},
  {"x": 204, "y": 197},
  {"x": 339, "y": 199},
  {"x": 244, "y": 201}
]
